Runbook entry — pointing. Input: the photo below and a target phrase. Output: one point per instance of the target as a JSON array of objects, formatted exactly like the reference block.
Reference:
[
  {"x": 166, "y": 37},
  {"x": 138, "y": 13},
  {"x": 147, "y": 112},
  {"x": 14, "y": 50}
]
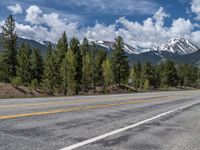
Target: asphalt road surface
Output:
[{"x": 143, "y": 121}]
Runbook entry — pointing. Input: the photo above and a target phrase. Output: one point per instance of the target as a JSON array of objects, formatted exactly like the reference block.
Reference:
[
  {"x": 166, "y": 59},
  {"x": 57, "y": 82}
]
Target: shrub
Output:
[
  {"x": 16, "y": 82},
  {"x": 34, "y": 84}
]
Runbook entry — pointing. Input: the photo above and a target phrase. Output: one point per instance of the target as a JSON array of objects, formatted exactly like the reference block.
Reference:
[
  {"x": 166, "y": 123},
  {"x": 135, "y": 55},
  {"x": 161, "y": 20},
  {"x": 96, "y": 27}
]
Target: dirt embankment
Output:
[{"x": 8, "y": 91}]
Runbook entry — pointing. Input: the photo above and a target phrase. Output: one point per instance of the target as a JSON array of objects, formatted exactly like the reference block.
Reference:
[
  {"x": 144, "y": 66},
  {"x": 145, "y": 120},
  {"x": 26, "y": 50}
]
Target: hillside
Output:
[
  {"x": 8, "y": 91},
  {"x": 32, "y": 43}
]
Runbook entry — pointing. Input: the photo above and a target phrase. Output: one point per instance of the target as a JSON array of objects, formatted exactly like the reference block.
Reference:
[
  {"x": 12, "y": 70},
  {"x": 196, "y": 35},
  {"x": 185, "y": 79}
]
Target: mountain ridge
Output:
[{"x": 188, "y": 53}]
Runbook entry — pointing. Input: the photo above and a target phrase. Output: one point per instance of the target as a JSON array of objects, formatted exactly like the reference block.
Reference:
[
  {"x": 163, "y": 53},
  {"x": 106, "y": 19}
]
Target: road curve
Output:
[{"x": 158, "y": 120}]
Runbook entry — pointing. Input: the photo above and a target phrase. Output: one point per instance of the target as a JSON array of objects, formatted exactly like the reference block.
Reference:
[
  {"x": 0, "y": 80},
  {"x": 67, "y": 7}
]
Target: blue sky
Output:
[{"x": 144, "y": 23}]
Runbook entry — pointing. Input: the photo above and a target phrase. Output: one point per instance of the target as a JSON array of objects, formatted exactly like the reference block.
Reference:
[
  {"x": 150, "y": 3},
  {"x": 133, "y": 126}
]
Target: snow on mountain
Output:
[
  {"x": 179, "y": 46},
  {"x": 110, "y": 46}
]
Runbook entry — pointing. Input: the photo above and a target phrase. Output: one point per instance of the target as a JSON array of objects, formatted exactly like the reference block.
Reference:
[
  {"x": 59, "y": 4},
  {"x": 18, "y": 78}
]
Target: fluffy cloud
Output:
[
  {"x": 34, "y": 15},
  {"x": 149, "y": 33},
  {"x": 100, "y": 32},
  {"x": 15, "y": 9},
  {"x": 195, "y": 8},
  {"x": 45, "y": 26}
]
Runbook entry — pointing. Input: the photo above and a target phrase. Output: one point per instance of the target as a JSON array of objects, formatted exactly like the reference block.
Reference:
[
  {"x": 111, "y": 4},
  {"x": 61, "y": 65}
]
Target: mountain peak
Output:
[
  {"x": 110, "y": 46},
  {"x": 179, "y": 46}
]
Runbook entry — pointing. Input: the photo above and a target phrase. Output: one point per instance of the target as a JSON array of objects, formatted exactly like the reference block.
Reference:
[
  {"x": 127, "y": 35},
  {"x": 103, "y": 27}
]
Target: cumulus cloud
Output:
[
  {"x": 34, "y": 15},
  {"x": 45, "y": 26},
  {"x": 195, "y": 8},
  {"x": 15, "y": 9},
  {"x": 150, "y": 33}
]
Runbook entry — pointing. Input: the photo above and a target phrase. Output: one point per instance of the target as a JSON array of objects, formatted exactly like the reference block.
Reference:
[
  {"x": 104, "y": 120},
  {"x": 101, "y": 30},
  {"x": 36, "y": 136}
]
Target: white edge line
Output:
[{"x": 92, "y": 140}]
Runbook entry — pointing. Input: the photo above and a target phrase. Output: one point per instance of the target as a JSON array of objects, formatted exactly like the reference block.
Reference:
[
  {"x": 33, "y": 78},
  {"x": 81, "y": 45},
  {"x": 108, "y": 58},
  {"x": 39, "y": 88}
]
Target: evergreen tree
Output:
[
  {"x": 120, "y": 62},
  {"x": 135, "y": 75},
  {"x": 69, "y": 72},
  {"x": 99, "y": 58},
  {"x": 148, "y": 75},
  {"x": 85, "y": 47},
  {"x": 3, "y": 70},
  {"x": 62, "y": 47},
  {"x": 75, "y": 48},
  {"x": 49, "y": 79},
  {"x": 181, "y": 74},
  {"x": 169, "y": 74},
  {"x": 188, "y": 75},
  {"x": 9, "y": 40},
  {"x": 23, "y": 63},
  {"x": 107, "y": 74},
  {"x": 87, "y": 71},
  {"x": 36, "y": 65}
]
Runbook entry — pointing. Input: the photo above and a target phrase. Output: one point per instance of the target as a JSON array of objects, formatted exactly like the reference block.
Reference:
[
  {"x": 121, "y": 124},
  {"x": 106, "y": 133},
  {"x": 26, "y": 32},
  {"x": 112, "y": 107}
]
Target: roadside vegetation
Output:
[{"x": 72, "y": 68}]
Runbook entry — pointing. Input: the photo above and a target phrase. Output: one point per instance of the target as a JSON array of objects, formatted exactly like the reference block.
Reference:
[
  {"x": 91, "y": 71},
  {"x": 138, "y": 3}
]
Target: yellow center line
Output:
[
  {"x": 67, "y": 102},
  {"x": 79, "y": 108},
  {"x": 81, "y": 100}
]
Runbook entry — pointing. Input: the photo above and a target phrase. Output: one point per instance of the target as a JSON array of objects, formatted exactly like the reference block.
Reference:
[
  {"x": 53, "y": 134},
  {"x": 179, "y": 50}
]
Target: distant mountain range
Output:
[{"x": 176, "y": 49}]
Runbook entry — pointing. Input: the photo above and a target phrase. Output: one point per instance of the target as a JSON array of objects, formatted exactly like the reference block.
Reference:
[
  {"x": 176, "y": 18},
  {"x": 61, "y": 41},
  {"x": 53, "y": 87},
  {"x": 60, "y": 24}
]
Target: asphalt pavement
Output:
[{"x": 143, "y": 121}]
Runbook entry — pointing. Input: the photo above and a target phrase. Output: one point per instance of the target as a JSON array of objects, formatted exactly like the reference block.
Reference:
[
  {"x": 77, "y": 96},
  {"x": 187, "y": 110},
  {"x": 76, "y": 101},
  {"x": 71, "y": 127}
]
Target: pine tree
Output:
[
  {"x": 120, "y": 62},
  {"x": 135, "y": 75},
  {"x": 69, "y": 72},
  {"x": 99, "y": 58},
  {"x": 36, "y": 65},
  {"x": 87, "y": 71},
  {"x": 188, "y": 74},
  {"x": 169, "y": 74},
  {"x": 23, "y": 63},
  {"x": 75, "y": 48},
  {"x": 107, "y": 74},
  {"x": 49, "y": 79},
  {"x": 3, "y": 70},
  {"x": 148, "y": 75},
  {"x": 9, "y": 40},
  {"x": 62, "y": 47},
  {"x": 94, "y": 66},
  {"x": 85, "y": 47}
]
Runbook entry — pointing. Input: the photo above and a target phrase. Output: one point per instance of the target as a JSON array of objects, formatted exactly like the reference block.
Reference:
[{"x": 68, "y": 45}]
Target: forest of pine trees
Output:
[{"x": 72, "y": 67}]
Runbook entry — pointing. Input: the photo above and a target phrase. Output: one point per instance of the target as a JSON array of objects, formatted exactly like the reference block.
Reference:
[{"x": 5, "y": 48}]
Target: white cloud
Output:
[
  {"x": 45, "y": 26},
  {"x": 195, "y": 8},
  {"x": 15, "y": 9},
  {"x": 181, "y": 27},
  {"x": 34, "y": 15},
  {"x": 149, "y": 33},
  {"x": 159, "y": 16},
  {"x": 100, "y": 32}
]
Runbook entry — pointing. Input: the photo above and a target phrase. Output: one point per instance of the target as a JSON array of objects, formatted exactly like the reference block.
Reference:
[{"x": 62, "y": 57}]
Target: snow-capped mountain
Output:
[
  {"x": 110, "y": 46},
  {"x": 179, "y": 46}
]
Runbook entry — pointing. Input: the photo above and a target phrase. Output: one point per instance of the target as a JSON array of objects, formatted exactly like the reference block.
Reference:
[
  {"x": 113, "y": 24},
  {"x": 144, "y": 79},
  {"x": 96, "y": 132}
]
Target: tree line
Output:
[{"x": 72, "y": 67}]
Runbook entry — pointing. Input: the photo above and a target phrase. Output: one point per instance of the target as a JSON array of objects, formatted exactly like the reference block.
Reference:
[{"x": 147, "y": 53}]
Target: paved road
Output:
[{"x": 56, "y": 123}]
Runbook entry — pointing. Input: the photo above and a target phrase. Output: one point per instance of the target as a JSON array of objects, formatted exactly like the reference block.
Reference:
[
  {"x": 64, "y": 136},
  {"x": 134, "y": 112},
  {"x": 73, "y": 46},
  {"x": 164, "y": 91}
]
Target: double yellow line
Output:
[{"x": 80, "y": 108}]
